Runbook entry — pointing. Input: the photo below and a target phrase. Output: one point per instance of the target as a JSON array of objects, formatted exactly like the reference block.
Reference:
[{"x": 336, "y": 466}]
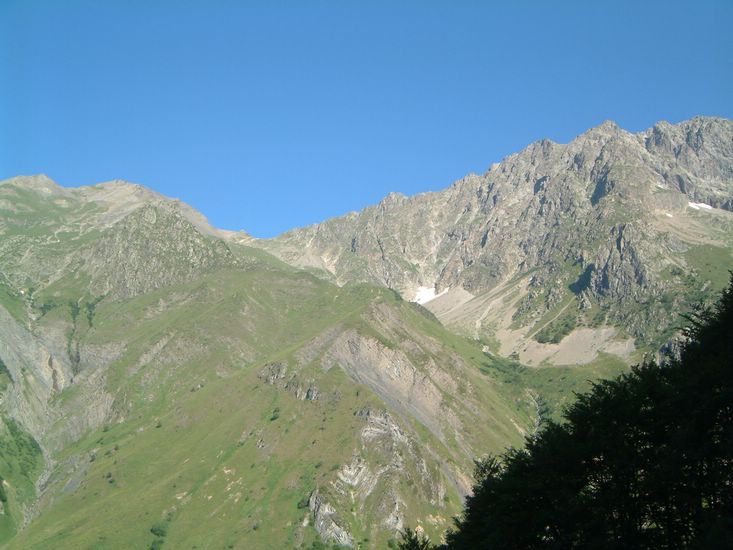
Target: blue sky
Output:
[{"x": 269, "y": 115}]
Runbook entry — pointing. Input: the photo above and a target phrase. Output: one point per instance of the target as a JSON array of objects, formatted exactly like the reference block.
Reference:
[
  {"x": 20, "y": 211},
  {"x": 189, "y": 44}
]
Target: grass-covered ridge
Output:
[{"x": 196, "y": 432}]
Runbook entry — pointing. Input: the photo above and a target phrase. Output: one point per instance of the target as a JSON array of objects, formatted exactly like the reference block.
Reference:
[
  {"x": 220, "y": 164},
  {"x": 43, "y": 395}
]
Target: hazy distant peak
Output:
[
  {"x": 604, "y": 131},
  {"x": 125, "y": 188},
  {"x": 392, "y": 198},
  {"x": 699, "y": 123},
  {"x": 608, "y": 126},
  {"x": 36, "y": 182}
]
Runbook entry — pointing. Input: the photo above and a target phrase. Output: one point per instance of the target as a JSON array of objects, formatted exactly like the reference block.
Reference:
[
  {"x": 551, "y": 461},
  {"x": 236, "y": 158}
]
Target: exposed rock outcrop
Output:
[
  {"x": 325, "y": 521},
  {"x": 611, "y": 210}
]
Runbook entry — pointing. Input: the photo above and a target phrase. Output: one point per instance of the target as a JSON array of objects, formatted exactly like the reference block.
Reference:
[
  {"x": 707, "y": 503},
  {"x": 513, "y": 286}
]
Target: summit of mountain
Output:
[{"x": 609, "y": 233}]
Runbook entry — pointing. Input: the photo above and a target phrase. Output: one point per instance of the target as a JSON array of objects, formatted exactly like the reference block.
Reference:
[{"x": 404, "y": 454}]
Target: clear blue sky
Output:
[{"x": 269, "y": 115}]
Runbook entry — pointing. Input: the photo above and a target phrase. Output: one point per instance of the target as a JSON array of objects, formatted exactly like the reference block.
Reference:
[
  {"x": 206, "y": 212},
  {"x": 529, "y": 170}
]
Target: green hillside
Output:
[{"x": 245, "y": 404}]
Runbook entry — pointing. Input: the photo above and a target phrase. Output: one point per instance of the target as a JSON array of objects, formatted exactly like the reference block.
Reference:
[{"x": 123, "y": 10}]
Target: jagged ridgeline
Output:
[
  {"x": 168, "y": 384},
  {"x": 560, "y": 254}
]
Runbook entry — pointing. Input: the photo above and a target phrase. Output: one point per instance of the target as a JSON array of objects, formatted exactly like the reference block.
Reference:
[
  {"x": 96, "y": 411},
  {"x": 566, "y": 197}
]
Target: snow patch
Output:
[
  {"x": 425, "y": 294},
  {"x": 699, "y": 205}
]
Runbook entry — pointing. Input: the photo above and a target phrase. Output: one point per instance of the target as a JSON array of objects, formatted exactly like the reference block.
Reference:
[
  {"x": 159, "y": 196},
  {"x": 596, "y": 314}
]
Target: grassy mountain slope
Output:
[{"x": 216, "y": 397}]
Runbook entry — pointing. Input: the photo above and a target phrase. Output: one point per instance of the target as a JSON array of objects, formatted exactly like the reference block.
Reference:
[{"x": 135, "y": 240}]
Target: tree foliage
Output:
[
  {"x": 411, "y": 540},
  {"x": 644, "y": 461}
]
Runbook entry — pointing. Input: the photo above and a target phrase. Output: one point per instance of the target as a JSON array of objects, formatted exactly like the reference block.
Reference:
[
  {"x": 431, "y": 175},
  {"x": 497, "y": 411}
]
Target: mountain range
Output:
[{"x": 168, "y": 384}]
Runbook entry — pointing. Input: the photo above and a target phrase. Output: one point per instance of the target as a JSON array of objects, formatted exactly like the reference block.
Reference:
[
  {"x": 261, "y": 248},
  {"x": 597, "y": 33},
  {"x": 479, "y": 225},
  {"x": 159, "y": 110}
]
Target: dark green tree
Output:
[
  {"x": 413, "y": 541},
  {"x": 644, "y": 461}
]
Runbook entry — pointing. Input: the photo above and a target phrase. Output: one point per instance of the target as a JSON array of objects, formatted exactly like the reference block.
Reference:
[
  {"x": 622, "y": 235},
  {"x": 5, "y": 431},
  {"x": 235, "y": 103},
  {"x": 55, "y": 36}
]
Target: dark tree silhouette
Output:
[
  {"x": 413, "y": 541},
  {"x": 644, "y": 461}
]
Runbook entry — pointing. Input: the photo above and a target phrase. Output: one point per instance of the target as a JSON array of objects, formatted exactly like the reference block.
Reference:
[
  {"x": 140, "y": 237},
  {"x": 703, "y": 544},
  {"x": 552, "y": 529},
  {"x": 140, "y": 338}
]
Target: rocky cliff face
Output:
[{"x": 612, "y": 221}]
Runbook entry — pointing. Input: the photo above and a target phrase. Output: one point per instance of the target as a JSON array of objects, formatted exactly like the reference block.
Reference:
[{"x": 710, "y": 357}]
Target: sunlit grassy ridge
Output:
[{"x": 198, "y": 442}]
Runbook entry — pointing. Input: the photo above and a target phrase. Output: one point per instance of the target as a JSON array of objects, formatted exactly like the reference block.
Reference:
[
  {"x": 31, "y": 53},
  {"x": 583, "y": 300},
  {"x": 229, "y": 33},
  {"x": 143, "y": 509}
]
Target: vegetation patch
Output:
[
  {"x": 21, "y": 461},
  {"x": 555, "y": 331},
  {"x": 712, "y": 263},
  {"x": 5, "y": 376}
]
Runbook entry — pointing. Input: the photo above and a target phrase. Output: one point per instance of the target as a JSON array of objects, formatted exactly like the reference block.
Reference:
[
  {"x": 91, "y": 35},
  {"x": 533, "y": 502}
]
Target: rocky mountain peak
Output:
[
  {"x": 600, "y": 134},
  {"x": 601, "y": 219}
]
